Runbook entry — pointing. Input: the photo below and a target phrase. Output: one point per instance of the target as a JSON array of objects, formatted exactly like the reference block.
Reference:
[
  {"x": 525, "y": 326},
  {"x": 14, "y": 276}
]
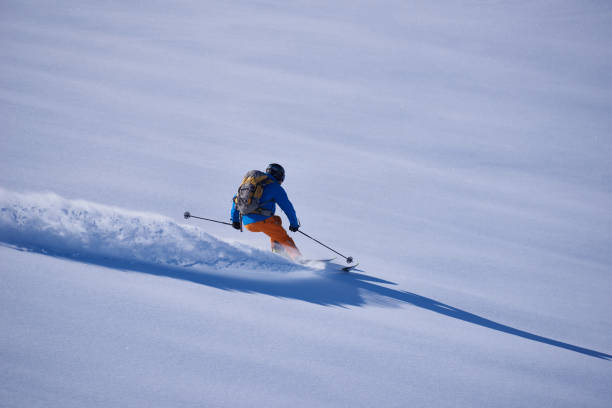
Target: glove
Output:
[
  {"x": 236, "y": 225},
  {"x": 294, "y": 228}
]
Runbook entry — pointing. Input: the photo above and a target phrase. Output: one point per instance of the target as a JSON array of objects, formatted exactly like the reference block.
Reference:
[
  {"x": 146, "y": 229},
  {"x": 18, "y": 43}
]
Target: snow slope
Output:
[
  {"x": 460, "y": 151},
  {"x": 82, "y": 230}
]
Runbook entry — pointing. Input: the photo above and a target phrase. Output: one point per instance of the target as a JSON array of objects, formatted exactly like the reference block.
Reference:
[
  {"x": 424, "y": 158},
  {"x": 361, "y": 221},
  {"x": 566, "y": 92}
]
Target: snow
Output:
[
  {"x": 459, "y": 151},
  {"x": 91, "y": 232}
]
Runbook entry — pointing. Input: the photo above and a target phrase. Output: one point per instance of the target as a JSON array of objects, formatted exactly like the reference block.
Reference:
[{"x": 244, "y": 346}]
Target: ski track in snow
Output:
[
  {"x": 151, "y": 243},
  {"x": 91, "y": 232}
]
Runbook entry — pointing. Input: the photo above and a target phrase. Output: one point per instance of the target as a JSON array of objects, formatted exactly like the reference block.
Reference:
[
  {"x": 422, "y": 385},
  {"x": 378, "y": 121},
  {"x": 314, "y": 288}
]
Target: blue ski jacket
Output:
[{"x": 272, "y": 194}]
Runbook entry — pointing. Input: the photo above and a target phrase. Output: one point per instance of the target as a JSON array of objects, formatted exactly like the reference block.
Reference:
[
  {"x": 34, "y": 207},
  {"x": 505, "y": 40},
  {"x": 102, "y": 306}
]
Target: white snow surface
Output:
[
  {"x": 460, "y": 151},
  {"x": 79, "y": 229}
]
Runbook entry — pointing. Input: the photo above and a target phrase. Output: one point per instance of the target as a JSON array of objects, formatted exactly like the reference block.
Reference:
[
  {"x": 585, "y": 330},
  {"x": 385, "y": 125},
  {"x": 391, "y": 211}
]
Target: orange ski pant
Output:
[{"x": 273, "y": 227}]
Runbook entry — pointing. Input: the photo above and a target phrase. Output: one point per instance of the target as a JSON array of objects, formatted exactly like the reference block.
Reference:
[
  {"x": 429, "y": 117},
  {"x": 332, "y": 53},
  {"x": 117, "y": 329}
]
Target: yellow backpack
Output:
[{"x": 248, "y": 199}]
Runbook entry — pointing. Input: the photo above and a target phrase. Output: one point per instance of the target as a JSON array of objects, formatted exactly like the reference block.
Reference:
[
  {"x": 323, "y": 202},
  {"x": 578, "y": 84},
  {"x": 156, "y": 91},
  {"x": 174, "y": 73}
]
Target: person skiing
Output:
[{"x": 262, "y": 219}]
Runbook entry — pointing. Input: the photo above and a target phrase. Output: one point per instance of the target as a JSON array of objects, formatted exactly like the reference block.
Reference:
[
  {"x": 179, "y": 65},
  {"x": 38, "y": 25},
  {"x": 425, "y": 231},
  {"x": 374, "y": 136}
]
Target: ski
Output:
[
  {"x": 313, "y": 262},
  {"x": 310, "y": 261},
  {"x": 349, "y": 268}
]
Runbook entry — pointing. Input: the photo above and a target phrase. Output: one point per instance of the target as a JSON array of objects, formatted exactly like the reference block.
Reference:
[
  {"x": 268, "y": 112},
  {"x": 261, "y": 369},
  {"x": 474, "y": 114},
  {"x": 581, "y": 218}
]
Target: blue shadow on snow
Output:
[{"x": 329, "y": 287}]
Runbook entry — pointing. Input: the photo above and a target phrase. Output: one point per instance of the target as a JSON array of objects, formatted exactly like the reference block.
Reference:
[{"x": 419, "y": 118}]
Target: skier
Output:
[{"x": 263, "y": 218}]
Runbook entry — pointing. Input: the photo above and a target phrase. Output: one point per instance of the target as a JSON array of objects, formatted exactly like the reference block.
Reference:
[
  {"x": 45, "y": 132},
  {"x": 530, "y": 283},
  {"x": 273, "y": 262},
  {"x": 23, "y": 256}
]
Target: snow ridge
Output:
[{"x": 81, "y": 230}]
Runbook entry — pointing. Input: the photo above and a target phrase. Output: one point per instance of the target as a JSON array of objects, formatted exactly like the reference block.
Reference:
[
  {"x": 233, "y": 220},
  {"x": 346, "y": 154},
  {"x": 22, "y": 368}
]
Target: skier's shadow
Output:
[
  {"x": 344, "y": 289},
  {"x": 328, "y": 287},
  {"x": 361, "y": 282}
]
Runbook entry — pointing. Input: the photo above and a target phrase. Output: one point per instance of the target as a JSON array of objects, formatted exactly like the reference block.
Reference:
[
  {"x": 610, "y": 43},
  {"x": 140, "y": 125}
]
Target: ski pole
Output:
[
  {"x": 188, "y": 215},
  {"x": 348, "y": 259}
]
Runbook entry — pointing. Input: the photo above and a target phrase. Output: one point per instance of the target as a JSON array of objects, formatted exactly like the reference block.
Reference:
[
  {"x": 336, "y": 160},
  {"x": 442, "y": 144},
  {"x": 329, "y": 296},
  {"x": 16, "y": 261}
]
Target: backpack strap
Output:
[{"x": 261, "y": 211}]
